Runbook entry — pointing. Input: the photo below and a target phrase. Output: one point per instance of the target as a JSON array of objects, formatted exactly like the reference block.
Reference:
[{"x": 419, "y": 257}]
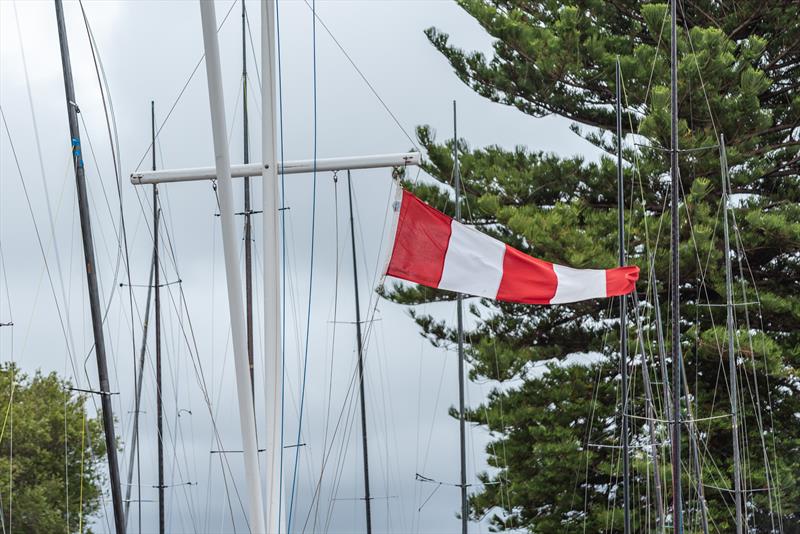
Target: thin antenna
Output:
[
  {"x": 360, "y": 347},
  {"x": 157, "y": 289},
  {"x": 460, "y": 315},
  {"x": 91, "y": 274},
  {"x": 737, "y": 468},
  {"x": 675, "y": 297},
  {"x": 623, "y": 317}
]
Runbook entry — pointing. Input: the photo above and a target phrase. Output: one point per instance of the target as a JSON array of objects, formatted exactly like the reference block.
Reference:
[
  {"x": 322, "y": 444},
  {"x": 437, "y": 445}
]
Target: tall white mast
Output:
[
  {"x": 232, "y": 268},
  {"x": 273, "y": 369}
]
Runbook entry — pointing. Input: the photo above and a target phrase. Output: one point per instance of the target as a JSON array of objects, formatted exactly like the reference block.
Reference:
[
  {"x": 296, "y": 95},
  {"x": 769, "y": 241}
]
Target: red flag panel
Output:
[{"x": 420, "y": 242}]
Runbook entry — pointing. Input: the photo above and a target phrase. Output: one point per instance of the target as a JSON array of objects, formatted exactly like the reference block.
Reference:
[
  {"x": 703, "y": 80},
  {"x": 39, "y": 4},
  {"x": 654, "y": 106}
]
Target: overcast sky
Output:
[{"x": 149, "y": 49}]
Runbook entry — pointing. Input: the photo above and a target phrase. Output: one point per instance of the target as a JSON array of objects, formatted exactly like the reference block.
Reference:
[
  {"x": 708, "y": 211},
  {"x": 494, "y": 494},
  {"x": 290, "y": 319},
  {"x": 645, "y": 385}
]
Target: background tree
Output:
[
  {"x": 53, "y": 480},
  {"x": 739, "y": 71}
]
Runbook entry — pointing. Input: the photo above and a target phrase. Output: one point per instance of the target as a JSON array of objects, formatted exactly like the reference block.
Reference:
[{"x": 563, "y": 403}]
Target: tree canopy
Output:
[
  {"x": 555, "y": 465},
  {"x": 51, "y": 455}
]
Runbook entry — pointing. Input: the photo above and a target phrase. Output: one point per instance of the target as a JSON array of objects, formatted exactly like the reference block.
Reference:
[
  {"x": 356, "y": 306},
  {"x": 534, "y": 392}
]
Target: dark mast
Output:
[
  {"x": 675, "y": 299},
  {"x": 460, "y": 318},
  {"x": 360, "y": 348},
  {"x": 91, "y": 274},
  {"x": 157, "y": 290},
  {"x": 248, "y": 238},
  {"x": 623, "y": 316}
]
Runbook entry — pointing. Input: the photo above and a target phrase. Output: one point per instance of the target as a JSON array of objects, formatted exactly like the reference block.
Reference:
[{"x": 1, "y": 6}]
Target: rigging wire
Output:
[
  {"x": 349, "y": 403},
  {"x": 311, "y": 261},
  {"x": 183, "y": 89},
  {"x": 283, "y": 194},
  {"x": 68, "y": 329},
  {"x": 62, "y": 321},
  {"x": 333, "y": 340},
  {"x": 188, "y": 333},
  {"x": 345, "y": 415},
  {"x": 252, "y": 49},
  {"x": 385, "y": 388},
  {"x": 703, "y": 286},
  {"x": 648, "y": 248},
  {"x": 116, "y": 166},
  {"x": 8, "y": 322},
  {"x": 110, "y": 120},
  {"x": 178, "y": 308},
  {"x": 283, "y": 210},
  {"x": 316, "y": 16},
  {"x": 740, "y": 253},
  {"x": 194, "y": 351},
  {"x": 213, "y": 344},
  {"x": 61, "y": 318},
  {"x": 596, "y": 389}
]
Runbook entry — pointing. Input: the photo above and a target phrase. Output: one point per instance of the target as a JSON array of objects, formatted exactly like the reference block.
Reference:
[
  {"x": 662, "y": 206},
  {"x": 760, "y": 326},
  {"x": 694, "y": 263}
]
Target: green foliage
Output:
[
  {"x": 739, "y": 71},
  {"x": 57, "y": 455}
]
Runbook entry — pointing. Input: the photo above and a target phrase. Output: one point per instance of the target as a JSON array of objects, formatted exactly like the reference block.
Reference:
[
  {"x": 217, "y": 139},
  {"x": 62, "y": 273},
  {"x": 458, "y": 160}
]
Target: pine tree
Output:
[{"x": 554, "y": 464}]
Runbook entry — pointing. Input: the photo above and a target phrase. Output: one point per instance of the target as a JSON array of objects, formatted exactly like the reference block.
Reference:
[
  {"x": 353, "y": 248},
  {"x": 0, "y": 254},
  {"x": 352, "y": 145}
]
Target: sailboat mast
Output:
[
  {"x": 134, "y": 455},
  {"x": 360, "y": 348},
  {"x": 157, "y": 290},
  {"x": 271, "y": 249},
  {"x": 460, "y": 319},
  {"x": 233, "y": 274},
  {"x": 133, "y": 458},
  {"x": 737, "y": 468},
  {"x": 693, "y": 444},
  {"x": 675, "y": 301},
  {"x": 91, "y": 274},
  {"x": 248, "y": 229},
  {"x": 623, "y": 316},
  {"x": 650, "y": 411}
]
